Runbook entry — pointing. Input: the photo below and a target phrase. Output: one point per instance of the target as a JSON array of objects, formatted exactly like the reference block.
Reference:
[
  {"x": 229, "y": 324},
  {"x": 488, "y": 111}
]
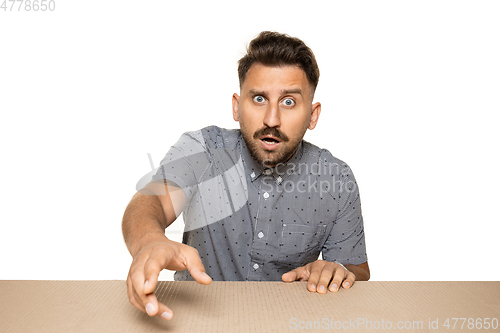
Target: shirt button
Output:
[
  {"x": 255, "y": 266},
  {"x": 252, "y": 175},
  {"x": 278, "y": 180},
  {"x": 266, "y": 195},
  {"x": 261, "y": 234}
]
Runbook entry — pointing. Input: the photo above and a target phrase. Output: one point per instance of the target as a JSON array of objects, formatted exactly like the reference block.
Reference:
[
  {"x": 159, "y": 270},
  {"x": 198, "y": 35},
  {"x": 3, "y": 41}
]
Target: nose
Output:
[{"x": 272, "y": 117}]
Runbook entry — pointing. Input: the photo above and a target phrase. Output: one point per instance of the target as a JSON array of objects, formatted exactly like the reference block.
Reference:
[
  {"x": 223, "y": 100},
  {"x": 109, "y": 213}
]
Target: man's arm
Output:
[
  {"x": 147, "y": 215},
  {"x": 324, "y": 275},
  {"x": 150, "y": 211},
  {"x": 362, "y": 271}
]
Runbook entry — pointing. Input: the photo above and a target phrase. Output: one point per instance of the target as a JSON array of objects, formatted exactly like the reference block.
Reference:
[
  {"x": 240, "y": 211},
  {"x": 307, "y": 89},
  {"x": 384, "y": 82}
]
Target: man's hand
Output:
[
  {"x": 321, "y": 275},
  {"x": 158, "y": 253}
]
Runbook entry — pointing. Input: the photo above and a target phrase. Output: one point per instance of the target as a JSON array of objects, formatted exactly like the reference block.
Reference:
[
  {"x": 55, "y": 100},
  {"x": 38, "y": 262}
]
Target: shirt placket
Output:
[{"x": 263, "y": 224}]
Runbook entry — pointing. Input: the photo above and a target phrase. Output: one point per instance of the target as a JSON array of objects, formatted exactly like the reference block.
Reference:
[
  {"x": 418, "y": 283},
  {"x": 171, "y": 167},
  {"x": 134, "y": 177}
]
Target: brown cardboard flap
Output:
[{"x": 102, "y": 306}]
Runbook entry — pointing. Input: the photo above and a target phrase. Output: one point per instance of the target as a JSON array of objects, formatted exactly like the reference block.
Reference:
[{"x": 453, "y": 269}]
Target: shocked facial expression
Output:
[{"x": 274, "y": 111}]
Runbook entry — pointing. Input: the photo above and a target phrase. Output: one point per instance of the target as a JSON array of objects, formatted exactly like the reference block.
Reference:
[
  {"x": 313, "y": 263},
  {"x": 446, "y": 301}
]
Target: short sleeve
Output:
[
  {"x": 185, "y": 163},
  {"x": 346, "y": 242}
]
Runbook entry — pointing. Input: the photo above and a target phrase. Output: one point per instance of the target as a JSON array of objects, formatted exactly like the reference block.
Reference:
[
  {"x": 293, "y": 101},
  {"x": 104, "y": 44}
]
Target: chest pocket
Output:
[{"x": 301, "y": 243}]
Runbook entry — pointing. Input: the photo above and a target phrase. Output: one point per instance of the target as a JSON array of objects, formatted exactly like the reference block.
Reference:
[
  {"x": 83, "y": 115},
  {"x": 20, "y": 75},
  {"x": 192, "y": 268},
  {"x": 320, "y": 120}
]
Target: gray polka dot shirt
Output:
[{"x": 249, "y": 222}]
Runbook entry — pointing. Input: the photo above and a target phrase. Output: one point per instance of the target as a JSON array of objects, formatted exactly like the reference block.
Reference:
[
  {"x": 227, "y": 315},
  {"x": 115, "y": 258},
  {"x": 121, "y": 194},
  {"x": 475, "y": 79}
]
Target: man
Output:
[{"x": 259, "y": 203}]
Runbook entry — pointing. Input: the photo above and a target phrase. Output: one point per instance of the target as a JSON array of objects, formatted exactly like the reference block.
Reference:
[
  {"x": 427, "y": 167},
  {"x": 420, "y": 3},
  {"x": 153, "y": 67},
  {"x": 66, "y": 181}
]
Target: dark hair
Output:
[{"x": 275, "y": 49}]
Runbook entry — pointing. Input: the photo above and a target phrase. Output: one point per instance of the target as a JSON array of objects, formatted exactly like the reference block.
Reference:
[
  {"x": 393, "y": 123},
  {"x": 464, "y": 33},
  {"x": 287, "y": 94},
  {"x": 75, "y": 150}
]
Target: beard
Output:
[{"x": 270, "y": 158}]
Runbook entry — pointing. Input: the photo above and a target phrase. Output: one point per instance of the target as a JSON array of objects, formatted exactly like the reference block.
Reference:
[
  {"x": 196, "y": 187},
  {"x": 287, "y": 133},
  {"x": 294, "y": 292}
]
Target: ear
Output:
[
  {"x": 316, "y": 110},
  {"x": 236, "y": 103}
]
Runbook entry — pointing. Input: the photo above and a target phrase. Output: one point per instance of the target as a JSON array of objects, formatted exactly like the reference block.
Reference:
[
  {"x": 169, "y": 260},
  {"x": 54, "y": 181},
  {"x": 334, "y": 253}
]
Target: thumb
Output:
[
  {"x": 195, "y": 266},
  {"x": 290, "y": 276},
  {"x": 299, "y": 273}
]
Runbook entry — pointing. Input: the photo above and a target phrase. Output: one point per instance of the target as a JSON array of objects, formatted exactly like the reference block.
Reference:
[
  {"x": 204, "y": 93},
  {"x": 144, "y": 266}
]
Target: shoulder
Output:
[
  {"x": 336, "y": 170},
  {"x": 208, "y": 137},
  {"x": 314, "y": 154},
  {"x": 218, "y": 137}
]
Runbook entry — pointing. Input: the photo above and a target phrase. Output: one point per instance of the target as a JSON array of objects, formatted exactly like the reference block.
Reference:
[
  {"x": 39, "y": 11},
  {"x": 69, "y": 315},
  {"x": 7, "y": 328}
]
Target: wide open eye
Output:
[
  {"x": 259, "y": 99},
  {"x": 288, "y": 102}
]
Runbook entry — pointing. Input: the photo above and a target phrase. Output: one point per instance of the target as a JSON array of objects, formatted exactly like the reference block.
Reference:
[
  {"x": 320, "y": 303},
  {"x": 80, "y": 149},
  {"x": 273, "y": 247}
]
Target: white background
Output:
[{"x": 410, "y": 96}]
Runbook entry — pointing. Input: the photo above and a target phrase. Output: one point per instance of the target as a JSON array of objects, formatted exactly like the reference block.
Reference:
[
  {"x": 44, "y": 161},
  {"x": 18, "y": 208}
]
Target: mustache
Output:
[{"x": 271, "y": 131}]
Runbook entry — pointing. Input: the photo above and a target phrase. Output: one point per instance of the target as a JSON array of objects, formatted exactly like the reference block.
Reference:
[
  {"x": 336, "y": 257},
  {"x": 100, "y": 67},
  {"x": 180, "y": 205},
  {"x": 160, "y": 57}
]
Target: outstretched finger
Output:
[
  {"x": 152, "y": 268},
  {"x": 132, "y": 297},
  {"x": 191, "y": 259},
  {"x": 147, "y": 301},
  {"x": 153, "y": 307}
]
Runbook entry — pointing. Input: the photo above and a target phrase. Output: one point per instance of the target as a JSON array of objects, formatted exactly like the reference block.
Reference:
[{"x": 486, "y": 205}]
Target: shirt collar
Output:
[{"x": 255, "y": 169}]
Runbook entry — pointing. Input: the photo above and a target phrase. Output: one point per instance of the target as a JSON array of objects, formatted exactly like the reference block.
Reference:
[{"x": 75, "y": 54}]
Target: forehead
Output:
[{"x": 270, "y": 78}]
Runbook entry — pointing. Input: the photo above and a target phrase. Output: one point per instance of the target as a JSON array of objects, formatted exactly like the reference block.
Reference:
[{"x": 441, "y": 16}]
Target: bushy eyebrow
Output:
[
  {"x": 254, "y": 92},
  {"x": 292, "y": 91}
]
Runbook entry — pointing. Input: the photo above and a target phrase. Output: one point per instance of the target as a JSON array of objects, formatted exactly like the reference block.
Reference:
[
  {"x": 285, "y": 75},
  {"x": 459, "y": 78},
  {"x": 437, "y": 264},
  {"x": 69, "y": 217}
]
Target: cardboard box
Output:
[{"x": 102, "y": 306}]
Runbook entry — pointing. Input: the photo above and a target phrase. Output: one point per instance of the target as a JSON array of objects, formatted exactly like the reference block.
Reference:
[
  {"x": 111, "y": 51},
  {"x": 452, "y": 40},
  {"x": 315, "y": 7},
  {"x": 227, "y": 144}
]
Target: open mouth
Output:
[{"x": 270, "y": 141}]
